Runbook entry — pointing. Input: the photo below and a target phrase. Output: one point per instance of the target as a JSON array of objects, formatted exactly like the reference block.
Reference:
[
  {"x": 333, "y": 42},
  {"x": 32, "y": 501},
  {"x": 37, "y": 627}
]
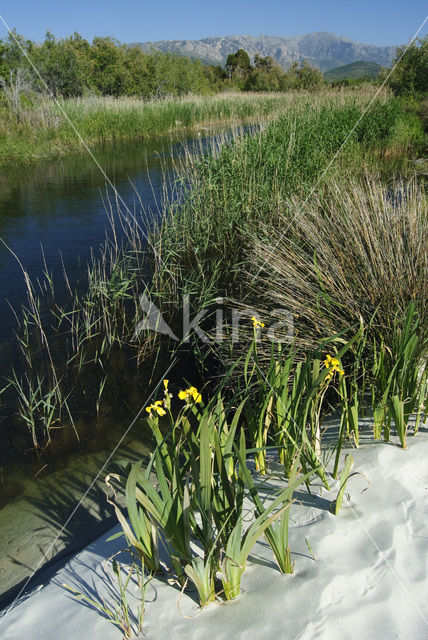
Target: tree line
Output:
[{"x": 72, "y": 67}]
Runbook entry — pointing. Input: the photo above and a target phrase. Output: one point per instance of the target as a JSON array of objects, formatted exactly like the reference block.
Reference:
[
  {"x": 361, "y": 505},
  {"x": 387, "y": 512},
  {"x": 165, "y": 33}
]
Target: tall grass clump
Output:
[
  {"x": 354, "y": 249},
  {"x": 356, "y": 252}
]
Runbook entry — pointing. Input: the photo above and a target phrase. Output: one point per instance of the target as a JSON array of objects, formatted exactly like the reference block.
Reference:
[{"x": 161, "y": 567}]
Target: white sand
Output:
[{"x": 370, "y": 580}]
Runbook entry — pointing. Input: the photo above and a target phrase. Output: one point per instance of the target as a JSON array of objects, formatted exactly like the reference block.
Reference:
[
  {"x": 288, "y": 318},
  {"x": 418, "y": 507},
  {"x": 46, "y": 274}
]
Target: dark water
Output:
[{"x": 60, "y": 205}]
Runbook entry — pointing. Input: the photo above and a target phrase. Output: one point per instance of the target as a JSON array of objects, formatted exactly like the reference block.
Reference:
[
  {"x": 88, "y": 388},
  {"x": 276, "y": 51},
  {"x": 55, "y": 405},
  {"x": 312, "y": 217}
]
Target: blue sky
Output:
[{"x": 372, "y": 22}]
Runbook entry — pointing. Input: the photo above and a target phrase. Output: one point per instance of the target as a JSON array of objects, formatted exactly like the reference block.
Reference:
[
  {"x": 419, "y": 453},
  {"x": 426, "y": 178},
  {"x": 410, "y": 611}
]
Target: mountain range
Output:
[{"x": 321, "y": 49}]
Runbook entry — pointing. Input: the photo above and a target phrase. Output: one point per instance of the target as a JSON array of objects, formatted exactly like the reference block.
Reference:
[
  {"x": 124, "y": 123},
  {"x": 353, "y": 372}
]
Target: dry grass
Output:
[{"x": 352, "y": 249}]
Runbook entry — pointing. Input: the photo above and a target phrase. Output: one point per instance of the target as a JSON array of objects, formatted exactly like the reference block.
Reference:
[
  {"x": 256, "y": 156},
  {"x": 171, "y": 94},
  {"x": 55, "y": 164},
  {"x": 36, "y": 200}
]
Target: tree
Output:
[
  {"x": 216, "y": 76},
  {"x": 15, "y": 88},
  {"x": 265, "y": 64},
  {"x": 3, "y": 64},
  {"x": 410, "y": 75},
  {"x": 15, "y": 48},
  {"x": 267, "y": 75},
  {"x": 137, "y": 65},
  {"x": 309, "y": 77},
  {"x": 238, "y": 64},
  {"x": 302, "y": 77},
  {"x": 111, "y": 77},
  {"x": 64, "y": 65}
]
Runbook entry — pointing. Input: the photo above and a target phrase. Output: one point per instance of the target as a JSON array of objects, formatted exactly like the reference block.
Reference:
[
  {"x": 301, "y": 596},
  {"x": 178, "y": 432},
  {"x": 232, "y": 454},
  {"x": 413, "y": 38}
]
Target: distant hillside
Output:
[
  {"x": 323, "y": 50},
  {"x": 354, "y": 71}
]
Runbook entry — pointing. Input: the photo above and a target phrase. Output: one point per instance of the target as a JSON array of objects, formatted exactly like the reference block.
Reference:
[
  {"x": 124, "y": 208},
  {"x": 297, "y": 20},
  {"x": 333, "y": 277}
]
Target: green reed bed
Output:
[
  {"x": 43, "y": 129},
  {"x": 265, "y": 228},
  {"x": 261, "y": 226},
  {"x": 204, "y": 245}
]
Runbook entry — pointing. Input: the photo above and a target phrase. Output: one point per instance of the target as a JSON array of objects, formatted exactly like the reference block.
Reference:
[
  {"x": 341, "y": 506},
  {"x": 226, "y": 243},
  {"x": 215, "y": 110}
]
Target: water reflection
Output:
[{"x": 60, "y": 205}]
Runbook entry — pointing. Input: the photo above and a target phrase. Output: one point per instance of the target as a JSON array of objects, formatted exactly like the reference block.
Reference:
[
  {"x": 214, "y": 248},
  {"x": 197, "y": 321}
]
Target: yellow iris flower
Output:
[
  {"x": 333, "y": 365},
  {"x": 257, "y": 323},
  {"x": 190, "y": 394},
  {"x": 156, "y": 407}
]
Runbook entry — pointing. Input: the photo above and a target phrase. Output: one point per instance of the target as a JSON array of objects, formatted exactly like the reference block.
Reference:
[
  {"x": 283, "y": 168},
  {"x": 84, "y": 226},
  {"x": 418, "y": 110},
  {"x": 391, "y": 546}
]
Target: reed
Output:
[
  {"x": 347, "y": 246},
  {"x": 234, "y": 198},
  {"x": 44, "y": 130},
  {"x": 234, "y": 194}
]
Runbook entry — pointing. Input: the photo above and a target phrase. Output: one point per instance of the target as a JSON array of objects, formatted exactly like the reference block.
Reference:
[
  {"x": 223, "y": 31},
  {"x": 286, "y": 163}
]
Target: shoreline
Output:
[
  {"x": 43, "y": 135},
  {"x": 119, "y": 123},
  {"x": 368, "y": 578}
]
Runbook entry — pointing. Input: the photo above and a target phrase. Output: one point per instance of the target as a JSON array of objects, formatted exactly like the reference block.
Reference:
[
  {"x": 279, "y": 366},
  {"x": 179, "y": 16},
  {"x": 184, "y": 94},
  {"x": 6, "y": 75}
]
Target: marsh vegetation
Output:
[{"x": 317, "y": 210}]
